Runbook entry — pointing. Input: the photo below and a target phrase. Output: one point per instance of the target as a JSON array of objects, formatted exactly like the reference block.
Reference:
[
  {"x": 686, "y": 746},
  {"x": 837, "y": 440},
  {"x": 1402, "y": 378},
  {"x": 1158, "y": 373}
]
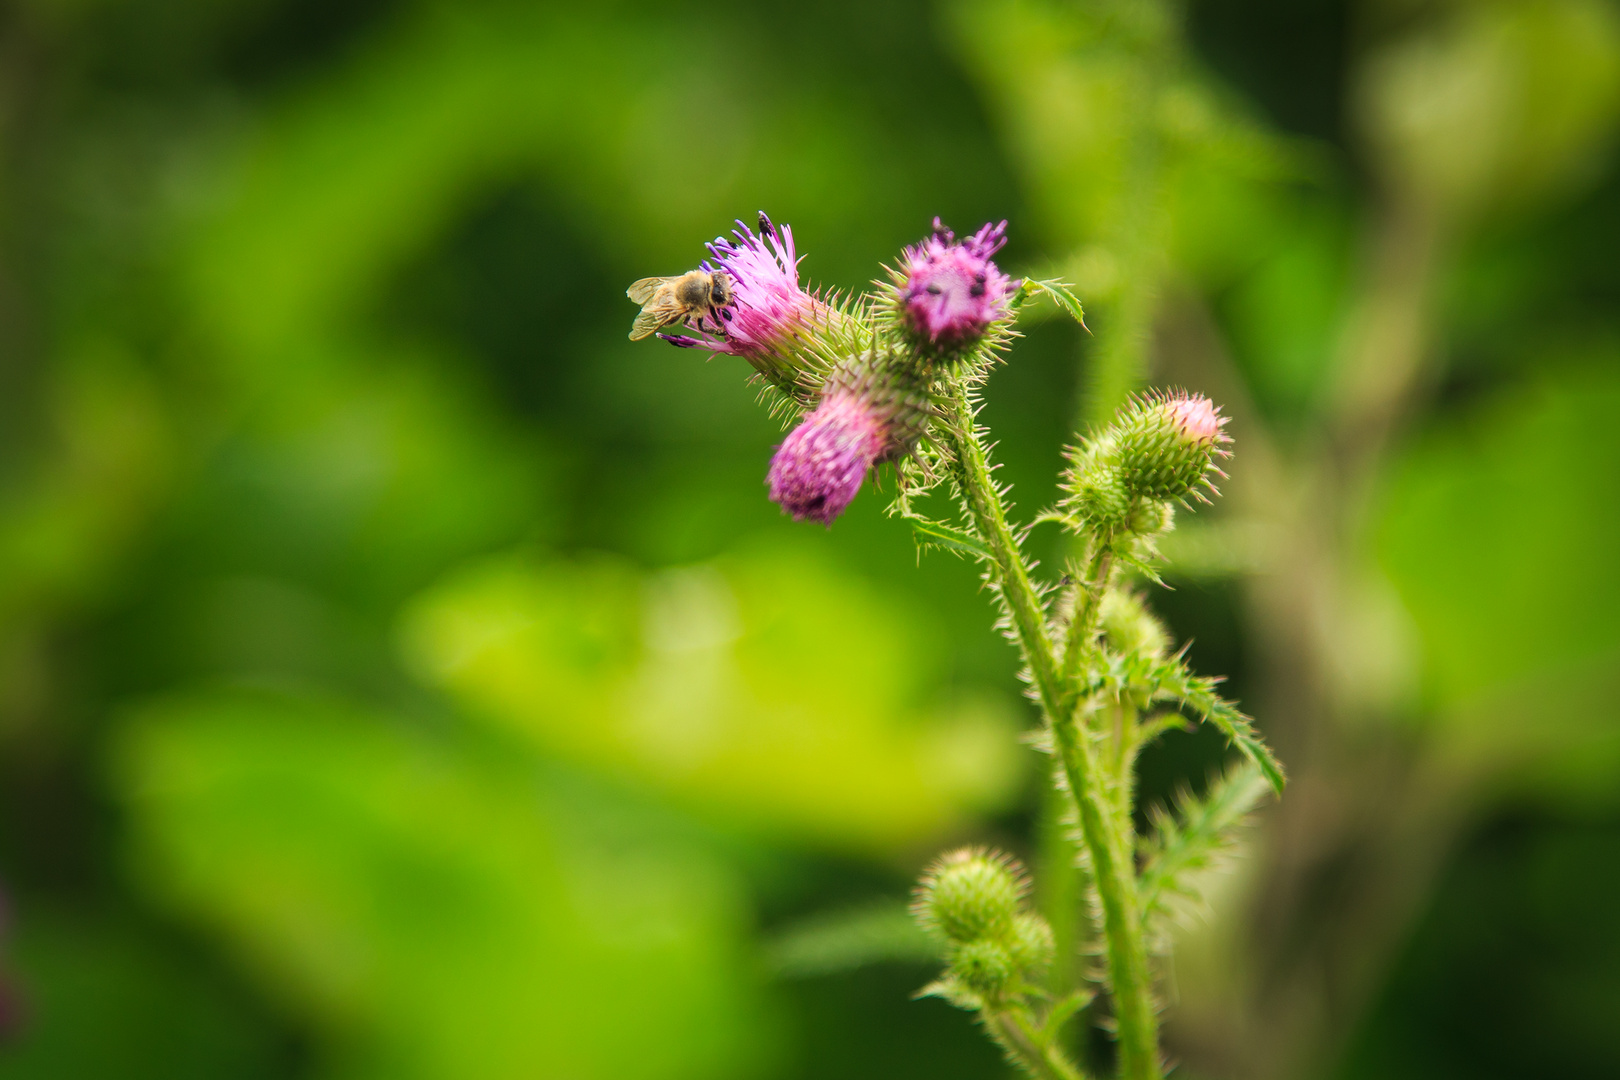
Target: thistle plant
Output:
[{"x": 893, "y": 378}]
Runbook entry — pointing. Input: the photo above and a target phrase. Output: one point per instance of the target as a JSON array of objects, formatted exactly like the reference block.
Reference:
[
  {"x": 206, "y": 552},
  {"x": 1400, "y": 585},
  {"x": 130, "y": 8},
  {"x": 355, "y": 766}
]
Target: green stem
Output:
[
  {"x": 1110, "y": 854},
  {"x": 1111, "y": 861},
  {"x": 1038, "y": 1058},
  {"x": 1087, "y": 603},
  {"x": 1060, "y": 888},
  {"x": 983, "y": 503}
]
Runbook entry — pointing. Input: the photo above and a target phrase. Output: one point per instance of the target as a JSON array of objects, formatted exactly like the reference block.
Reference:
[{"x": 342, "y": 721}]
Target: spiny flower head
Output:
[
  {"x": 1161, "y": 447},
  {"x": 769, "y": 320},
  {"x": 949, "y": 291},
  {"x": 1168, "y": 444},
  {"x": 822, "y": 463}
]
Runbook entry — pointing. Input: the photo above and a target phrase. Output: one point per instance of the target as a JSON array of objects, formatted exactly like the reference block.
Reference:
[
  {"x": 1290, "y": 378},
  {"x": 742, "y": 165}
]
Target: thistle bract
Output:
[
  {"x": 949, "y": 291},
  {"x": 821, "y": 465}
]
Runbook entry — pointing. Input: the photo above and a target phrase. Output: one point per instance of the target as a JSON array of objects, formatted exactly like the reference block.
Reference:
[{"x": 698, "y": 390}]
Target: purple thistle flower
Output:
[
  {"x": 768, "y": 313},
  {"x": 950, "y": 291},
  {"x": 821, "y": 464}
]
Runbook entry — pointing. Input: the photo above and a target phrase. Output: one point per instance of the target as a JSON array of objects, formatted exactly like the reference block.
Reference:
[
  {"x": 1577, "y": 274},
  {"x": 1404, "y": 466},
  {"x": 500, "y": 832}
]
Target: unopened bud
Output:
[
  {"x": 1032, "y": 943},
  {"x": 1131, "y": 629},
  {"x": 985, "y": 966},
  {"x": 970, "y": 895},
  {"x": 1096, "y": 487},
  {"x": 1167, "y": 444}
]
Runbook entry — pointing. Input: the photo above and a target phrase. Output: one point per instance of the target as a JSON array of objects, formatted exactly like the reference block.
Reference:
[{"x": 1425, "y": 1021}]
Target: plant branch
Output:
[
  {"x": 1110, "y": 854},
  {"x": 1087, "y": 602},
  {"x": 1037, "y": 1056},
  {"x": 982, "y": 500}
]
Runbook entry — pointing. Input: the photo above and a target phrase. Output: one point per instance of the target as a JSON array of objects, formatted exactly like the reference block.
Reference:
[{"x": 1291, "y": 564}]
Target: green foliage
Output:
[
  {"x": 1498, "y": 105},
  {"x": 1193, "y": 839},
  {"x": 839, "y": 941},
  {"x": 764, "y": 685},
  {"x": 1170, "y": 681},
  {"x": 1519, "y": 672},
  {"x": 1060, "y": 294},
  {"x": 105, "y": 996},
  {"x": 433, "y": 914}
]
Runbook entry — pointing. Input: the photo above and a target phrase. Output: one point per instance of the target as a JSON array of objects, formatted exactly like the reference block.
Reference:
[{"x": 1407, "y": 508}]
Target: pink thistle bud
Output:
[
  {"x": 1196, "y": 418},
  {"x": 822, "y": 463},
  {"x": 1168, "y": 443},
  {"x": 949, "y": 290}
]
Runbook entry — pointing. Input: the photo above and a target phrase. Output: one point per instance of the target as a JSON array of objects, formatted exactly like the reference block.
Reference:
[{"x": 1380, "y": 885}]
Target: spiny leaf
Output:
[
  {"x": 1198, "y": 694},
  {"x": 1195, "y": 837},
  {"x": 1060, "y": 293},
  {"x": 1063, "y": 1010},
  {"x": 934, "y": 534},
  {"x": 1068, "y": 521},
  {"x": 952, "y": 990},
  {"x": 1155, "y": 726}
]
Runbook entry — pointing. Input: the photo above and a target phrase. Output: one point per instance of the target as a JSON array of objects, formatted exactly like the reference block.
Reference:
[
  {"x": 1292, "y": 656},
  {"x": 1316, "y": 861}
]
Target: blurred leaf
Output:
[
  {"x": 1495, "y": 104},
  {"x": 1498, "y": 531},
  {"x": 105, "y": 997},
  {"x": 64, "y": 529},
  {"x": 433, "y": 916},
  {"x": 846, "y": 940},
  {"x": 767, "y": 688},
  {"x": 1212, "y": 549},
  {"x": 1192, "y": 841},
  {"x": 1284, "y": 312},
  {"x": 370, "y": 478}
]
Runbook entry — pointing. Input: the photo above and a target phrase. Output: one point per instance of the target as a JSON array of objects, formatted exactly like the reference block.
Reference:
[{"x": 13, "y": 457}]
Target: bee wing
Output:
[
  {"x": 644, "y": 290},
  {"x": 650, "y": 321}
]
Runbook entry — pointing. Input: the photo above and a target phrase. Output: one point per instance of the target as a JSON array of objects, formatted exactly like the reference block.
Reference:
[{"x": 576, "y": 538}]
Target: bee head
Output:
[{"x": 720, "y": 290}]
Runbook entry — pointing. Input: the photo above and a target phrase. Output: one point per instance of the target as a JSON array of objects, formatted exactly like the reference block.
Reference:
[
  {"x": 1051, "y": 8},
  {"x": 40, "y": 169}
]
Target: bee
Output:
[{"x": 666, "y": 300}]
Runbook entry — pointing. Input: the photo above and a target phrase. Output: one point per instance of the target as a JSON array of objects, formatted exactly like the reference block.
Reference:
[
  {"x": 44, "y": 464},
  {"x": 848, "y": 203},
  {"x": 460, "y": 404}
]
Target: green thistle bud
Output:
[
  {"x": 1131, "y": 629},
  {"x": 986, "y": 967},
  {"x": 1167, "y": 444},
  {"x": 1096, "y": 486},
  {"x": 1032, "y": 943},
  {"x": 971, "y": 894}
]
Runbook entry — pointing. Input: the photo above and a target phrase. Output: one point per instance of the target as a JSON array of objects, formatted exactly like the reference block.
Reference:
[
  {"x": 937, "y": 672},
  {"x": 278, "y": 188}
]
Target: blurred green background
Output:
[{"x": 402, "y": 675}]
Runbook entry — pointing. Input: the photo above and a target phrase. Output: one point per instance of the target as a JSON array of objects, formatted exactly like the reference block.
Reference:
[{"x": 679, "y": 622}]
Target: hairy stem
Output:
[
  {"x": 1087, "y": 603},
  {"x": 1061, "y": 888},
  {"x": 1130, "y": 983},
  {"x": 1040, "y": 1059},
  {"x": 1109, "y": 852},
  {"x": 983, "y": 503}
]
